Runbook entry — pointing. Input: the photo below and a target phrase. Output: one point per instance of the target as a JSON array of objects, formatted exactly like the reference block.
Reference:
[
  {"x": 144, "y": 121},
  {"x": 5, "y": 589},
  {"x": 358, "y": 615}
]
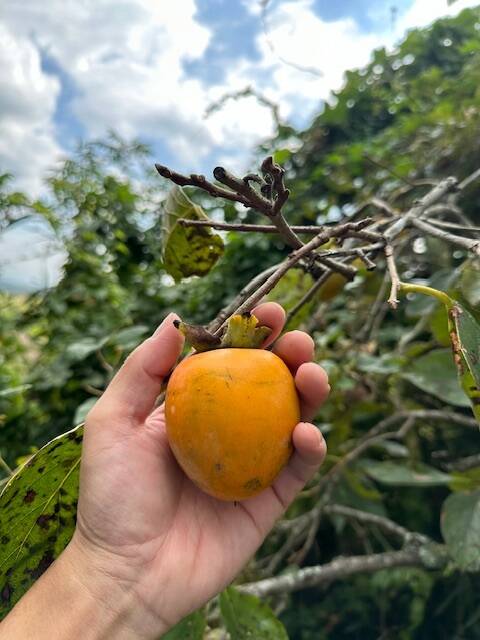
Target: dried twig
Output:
[
  {"x": 452, "y": 225},
  {"x": 339, "y": 568},
  {"x": 305, "y": 69},
  {"x": 464, "y": 464},
  {"x": 392, "y": 269},
  {"x": 248, "y": 91},
  {"x": 420, "y": 206},
  {"x": 335, "y": 232},
  {"x": 430, "y": 229},
  {"x": 247, "y": 290},
  {"x": 365, "y": 517},
  {"x": 257, "y": 228},
  {"x": 308, "y": 295},
  {"x": 466, "y": 182},
  {"x": 369, "y": 323}
]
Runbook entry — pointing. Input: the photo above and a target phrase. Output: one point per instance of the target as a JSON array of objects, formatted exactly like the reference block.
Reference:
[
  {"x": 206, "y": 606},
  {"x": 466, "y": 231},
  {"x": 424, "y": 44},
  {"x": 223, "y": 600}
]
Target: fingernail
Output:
[{"x": 165, "y": 322}]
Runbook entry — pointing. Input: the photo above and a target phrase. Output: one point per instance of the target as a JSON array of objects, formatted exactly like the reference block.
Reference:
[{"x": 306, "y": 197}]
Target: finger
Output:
[
  {"x": 270, "y": 314},
  {"x": 312, "y": 387},
  {"x": 294, "y": 348},
  {"x": 132, "y": 393},
  {"x": 310, "y": 451}
]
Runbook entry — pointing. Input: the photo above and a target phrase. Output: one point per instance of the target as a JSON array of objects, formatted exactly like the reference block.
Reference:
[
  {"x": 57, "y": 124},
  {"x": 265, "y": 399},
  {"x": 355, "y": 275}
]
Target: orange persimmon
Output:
[{"x": 230, "y": 414}]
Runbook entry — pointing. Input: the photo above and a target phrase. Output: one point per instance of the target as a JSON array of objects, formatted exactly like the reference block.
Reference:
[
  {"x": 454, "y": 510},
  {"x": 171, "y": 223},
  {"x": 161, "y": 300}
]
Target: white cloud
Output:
[
  {"x": 301, "y": 37},
  {"x": 27, "y": 105},
  {"x": 126, "y": 60},
  {"x": 422, "y": 13}
]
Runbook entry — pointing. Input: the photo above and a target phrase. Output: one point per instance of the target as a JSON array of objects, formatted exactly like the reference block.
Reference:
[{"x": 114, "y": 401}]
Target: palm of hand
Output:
[{"x": 155, "y": 529}]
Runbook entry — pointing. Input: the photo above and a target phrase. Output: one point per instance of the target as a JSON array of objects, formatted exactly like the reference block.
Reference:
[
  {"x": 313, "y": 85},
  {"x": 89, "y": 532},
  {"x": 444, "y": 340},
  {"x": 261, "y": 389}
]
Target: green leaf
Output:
[
  {"x": 187, "y": 251},
  {"x": 470, "y": 282},
  {"x": 246, "y": 617},
  {"x": 80, "y": 349},
  {"x": 468, "y": 480},
  {"x": 394, "y": 474},
  {"x": 465, "y": 337},
  {"x": 190, "y": 628},
  {"x": 83, "y": 409},
  {"x": 439, "y": 326},
  {"x": 435, "y": 373},
  {"x": 468, "y": 331},
  {"x": 460, "y": 523},
  {"x": 129, "y": 338},
  {"x": 281, "y": 155},
  {"x": 383, "y": 365},
  {"x": 38, "y": 515}
]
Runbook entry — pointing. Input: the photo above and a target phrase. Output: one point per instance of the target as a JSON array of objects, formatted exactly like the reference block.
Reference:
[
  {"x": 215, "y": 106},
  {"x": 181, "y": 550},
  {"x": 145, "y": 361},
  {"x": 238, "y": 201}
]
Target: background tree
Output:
[{"x": 366, "y": 537}]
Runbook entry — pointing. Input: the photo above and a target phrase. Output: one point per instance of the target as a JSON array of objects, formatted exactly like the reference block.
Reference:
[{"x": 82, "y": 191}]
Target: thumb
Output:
[{"x": 130, "y": 396}]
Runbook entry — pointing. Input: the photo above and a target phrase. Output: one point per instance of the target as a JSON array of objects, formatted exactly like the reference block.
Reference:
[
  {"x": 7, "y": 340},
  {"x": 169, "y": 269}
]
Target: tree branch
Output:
[
  {"x": 201, "y": 182},
  {"x": 247, "y": 290},
  {"x": 372, "y": 519},
  {"x": 341, "y": 568},
  {"x": 258, "y": 228},
  {"x": 464, "y": 464},
  {"x": 308, "y": 295},
  {"x": 466, "y": 243},
  {"x": 419, "y": 207},
  {"x": 249, "y": 300},
  {"x": 466, "y": 182}
]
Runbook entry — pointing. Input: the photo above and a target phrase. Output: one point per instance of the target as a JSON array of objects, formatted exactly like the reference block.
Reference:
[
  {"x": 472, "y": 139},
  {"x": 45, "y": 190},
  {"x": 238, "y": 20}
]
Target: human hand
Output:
[{"x": 150, "y": 546}]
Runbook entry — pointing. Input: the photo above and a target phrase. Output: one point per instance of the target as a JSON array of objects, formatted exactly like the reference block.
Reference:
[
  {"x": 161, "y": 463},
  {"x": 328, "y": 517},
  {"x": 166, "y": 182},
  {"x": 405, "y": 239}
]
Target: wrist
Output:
[{"x": 108, "y": 597}]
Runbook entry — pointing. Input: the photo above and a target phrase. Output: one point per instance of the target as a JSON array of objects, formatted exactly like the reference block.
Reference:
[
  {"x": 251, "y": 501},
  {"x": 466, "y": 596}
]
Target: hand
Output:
[{"x": 149, "y": 544}]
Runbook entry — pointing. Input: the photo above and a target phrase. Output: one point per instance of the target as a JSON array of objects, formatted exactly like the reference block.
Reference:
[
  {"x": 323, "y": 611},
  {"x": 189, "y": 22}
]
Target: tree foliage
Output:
[{"x": 408, "y": 119}]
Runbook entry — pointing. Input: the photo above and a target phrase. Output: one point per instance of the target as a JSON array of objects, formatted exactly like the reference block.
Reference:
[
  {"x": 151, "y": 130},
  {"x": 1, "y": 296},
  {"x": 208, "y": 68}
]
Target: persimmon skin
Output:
[{"x": 230, "y": 414}]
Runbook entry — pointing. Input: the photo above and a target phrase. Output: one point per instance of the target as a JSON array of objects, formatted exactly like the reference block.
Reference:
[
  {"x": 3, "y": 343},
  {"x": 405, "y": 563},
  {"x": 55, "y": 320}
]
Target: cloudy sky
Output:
[{"x": 73, "y": 69}]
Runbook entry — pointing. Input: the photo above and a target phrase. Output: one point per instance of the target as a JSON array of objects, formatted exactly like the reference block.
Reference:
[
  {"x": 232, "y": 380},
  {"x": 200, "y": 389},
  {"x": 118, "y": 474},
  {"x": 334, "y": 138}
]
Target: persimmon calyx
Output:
[{"x": 242, "y": 332}]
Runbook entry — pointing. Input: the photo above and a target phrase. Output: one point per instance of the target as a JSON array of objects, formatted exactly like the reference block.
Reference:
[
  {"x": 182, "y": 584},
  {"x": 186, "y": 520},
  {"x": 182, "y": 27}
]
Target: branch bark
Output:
[
  {"x": 417, "y": 211},
  {"x": 338, "y": 569},
  {"x": 466, "y": 243}
]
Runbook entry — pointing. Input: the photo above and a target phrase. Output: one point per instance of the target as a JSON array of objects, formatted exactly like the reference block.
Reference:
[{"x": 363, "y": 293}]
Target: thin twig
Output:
[
  {"x": 329, "y": 481},
  {"x": 416, "y": 330},
  {"x": 247, "y": 290},
  {"x": 464, "y": 464},
  {"x": 452, "y": 225},
  {"x": 257, "y": 228},
  {"x": 369, "y": 322},
  {"x": 271, "y": 46},
  {"x": 308, "y": 295},
  {"x": 386, "y": 168},
  {"x": 466, "y": 182},
  {"x": 420, "y": 414},
  {"x": 466, "y": 243},
  {"x": 392, "y": 270},
  {"x": 245, "y": 93},
  {"x": 419, "y": 207},
  {"x": 251, "y": 300},
  {"x": 372, "y": 519}
]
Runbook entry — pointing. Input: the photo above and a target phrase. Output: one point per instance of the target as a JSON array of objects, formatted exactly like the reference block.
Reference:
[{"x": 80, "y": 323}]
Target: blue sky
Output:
[{"x": 72, "y": 70}]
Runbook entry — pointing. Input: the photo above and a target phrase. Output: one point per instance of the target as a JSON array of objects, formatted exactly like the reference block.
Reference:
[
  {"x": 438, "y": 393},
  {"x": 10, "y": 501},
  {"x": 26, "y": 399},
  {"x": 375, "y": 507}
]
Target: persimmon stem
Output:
[{"x": 428, "y": 291}]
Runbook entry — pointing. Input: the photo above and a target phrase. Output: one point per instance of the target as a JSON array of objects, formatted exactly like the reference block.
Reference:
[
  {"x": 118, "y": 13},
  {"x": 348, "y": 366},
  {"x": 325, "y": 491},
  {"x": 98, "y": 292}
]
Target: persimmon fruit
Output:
[{"x": 230, "y": 414}]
